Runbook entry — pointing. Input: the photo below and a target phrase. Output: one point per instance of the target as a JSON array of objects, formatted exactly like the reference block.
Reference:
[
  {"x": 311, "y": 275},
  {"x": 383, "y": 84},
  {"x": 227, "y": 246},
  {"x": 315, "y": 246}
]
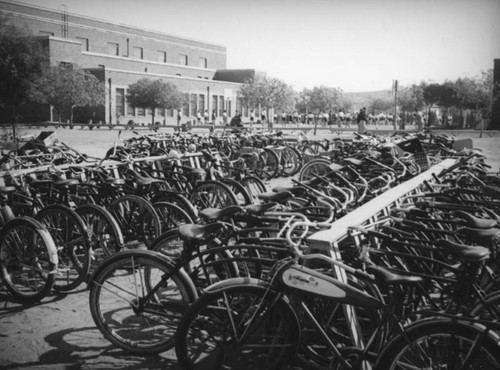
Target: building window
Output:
[
  {"x": 221, "y": 105},
  {"x": 85, "y": 43},
  {"x": 201, "y": 103},
  {"x": 194, "y": 104},
  {"x": 162, "y": 56},
  {"x": 215, "y": 106},
  {"x": 113, "y": 48},
  {"x": 183, "y": 59},
  {"x": 161, "y": 112},
  {"x": 178, "y": 74},
  {"x": 137, "y": 52},
  {"x": 149, "y": 112},
  {"x": 120, "y": 102},
  {"x": 130, "y": 109},
  {"x": 141, "y": 111},
  {"x": 203, "y": 63},
  {"x": 46, "y": 33}
]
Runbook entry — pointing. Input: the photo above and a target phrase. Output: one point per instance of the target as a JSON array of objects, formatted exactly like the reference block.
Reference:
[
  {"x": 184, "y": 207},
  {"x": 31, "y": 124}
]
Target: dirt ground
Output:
[{"x": 59, "y": 333}]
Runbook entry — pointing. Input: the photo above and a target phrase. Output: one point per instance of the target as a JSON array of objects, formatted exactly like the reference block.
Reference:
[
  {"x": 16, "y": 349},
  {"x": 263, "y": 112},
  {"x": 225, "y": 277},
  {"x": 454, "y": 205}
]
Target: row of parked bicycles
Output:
[{"x": 233, "y": 276}]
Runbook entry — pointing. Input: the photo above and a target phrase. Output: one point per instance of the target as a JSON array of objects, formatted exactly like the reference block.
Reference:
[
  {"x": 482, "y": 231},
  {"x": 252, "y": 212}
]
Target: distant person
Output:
[
  {"x": 236, "y": 122},
  {"x": 361, "y": 120},
  {"x": 206, "y": 116},
  {"x": 224, "y": 117},
  {"x": 179, "y": 117},
  {"x": 198, "y": 117},
  {"x": 214, "y": 116},
  {"x": 252, "y": 116},
  {"x": 341, "y": 117},
  {"x": 419, "y": 120}
]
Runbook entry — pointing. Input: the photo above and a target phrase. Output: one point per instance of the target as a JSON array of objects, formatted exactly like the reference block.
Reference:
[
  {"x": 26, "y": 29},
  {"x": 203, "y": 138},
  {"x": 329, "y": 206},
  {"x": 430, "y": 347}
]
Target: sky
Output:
[{"x": 354, "y": 45}]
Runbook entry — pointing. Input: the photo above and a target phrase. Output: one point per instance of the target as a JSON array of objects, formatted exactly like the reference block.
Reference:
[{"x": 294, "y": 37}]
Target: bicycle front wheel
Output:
[
  {"x": 441, "y": 344},
  {"x": 28, "y": 259},
  {"x": 136, "y": 300},
  {"x": 237, "y": 327}
]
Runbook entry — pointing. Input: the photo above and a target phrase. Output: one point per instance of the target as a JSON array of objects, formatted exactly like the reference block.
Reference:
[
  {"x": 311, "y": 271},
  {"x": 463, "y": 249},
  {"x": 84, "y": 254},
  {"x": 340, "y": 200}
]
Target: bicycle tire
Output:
[
  {"x": 212, "y": 194},
  {"x": 445, "y": 343},
  {"x": 254, "y": 187},
  {"x": 205, "y": 330},
  {"x": 177, "y": 199},
  {"x": 239, "y": 191},
  {"x": 171, "y": 215},
  {"x": 290, "y": 161},
  {"x": 28, "y": 259},
  {"x": 71, "y": 237},
  {"x": 105, "y": 234},
  {"x": 205, "y": 267},
  {"x": 316, "y": 166},
  {"x": 120, "y": 310},
  {"x": 267, "y": 164},
  {"x": 138, "y": 220}
]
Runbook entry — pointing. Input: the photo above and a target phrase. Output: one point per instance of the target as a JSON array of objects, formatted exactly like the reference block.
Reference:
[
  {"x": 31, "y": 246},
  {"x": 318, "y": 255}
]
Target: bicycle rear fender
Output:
[{"x": 180, "y": 273}]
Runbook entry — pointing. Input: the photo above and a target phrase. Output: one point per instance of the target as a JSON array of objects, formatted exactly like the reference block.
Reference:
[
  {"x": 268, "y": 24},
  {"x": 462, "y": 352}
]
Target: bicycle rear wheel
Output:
[
  {"x": 28, "y": 259},
  {"x": 136, "y": 300},
  {"x": 212, "y": 194},
  {"x": 105, "y": 235},
  {"x": 236, "y": 327},
  {"x": 315, "y": 167},
  {"x": 267, "y": 164},
  {"x": 71, "y": 237},
  {"x": 254, "y": 186},
  {"x": 171, "y": 215},
  {"x": 441, "y": 344},
  {"x": 138, "y": 220}
]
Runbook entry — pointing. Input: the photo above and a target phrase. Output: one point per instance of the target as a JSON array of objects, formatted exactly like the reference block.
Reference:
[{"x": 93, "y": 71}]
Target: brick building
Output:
[{"x": 120, "y": 55}]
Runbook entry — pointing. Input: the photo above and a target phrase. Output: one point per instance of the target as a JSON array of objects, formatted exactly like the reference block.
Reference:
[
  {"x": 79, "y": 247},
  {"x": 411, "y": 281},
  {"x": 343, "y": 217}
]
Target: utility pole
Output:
[{"x": 395, "y": 92}]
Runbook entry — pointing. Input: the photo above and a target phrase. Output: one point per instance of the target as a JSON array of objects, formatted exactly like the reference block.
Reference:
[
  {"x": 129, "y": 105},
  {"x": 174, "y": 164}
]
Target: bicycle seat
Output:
[
  {"x": 212, "y": 214},
  {"x": 476, "y": 222},
  {"x": 479, "y": 233},
  {"x": 7, "y": 189},
  {"x": 193, "y": 232},
  {"x": 257, "y": 209},
  {"x": 270, "y": 196},
  {"x": 391, "y": 278},
  {"x": 353, "y": 161},
  {"x": 61, "y": 182},
  {"x": 142, "y": 180},
  {"x": 467, "y": 252},
  {"x": 292, "y": 189}
]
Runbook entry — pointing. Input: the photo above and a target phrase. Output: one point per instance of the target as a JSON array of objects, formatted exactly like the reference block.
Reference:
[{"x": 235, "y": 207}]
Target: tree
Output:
[
  {"x": 268, "y": 93},
  {"x": 65, "y": 87},
  {"x": 440, "y": 95},
  {"x": 155, "y": 94},
  {"x": 325, "y": 99},
  {"x": 475, "y": 94},
  {"x": 21, "y": 60},
  {"x": 380, "y": 106},
  {"x": 409, "y": 99}
]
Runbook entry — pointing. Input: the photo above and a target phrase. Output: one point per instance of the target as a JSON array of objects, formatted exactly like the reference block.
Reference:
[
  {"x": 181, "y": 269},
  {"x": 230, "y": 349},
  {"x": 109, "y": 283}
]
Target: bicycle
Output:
[
  {"x": 250, "y": 324},
  {"x": 28, "y": 257}
]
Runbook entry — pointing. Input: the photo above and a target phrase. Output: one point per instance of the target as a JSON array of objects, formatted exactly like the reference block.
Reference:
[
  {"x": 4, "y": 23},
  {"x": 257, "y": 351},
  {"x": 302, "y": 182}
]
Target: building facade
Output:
[{"x": 120, "y": 55}]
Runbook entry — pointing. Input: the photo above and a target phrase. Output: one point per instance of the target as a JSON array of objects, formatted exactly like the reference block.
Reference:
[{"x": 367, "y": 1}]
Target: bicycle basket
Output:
[{"x": 422, "y": 160}]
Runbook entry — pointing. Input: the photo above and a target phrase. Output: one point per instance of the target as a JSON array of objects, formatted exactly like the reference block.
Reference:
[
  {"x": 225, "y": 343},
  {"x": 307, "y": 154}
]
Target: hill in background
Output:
[{"x": 364, "y": 99}]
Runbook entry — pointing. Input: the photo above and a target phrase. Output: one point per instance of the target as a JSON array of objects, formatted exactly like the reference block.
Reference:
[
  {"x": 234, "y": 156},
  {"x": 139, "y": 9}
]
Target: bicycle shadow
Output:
[
  {"x": 86, "y": 348},
  {"x": 11, "y": 305}
]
